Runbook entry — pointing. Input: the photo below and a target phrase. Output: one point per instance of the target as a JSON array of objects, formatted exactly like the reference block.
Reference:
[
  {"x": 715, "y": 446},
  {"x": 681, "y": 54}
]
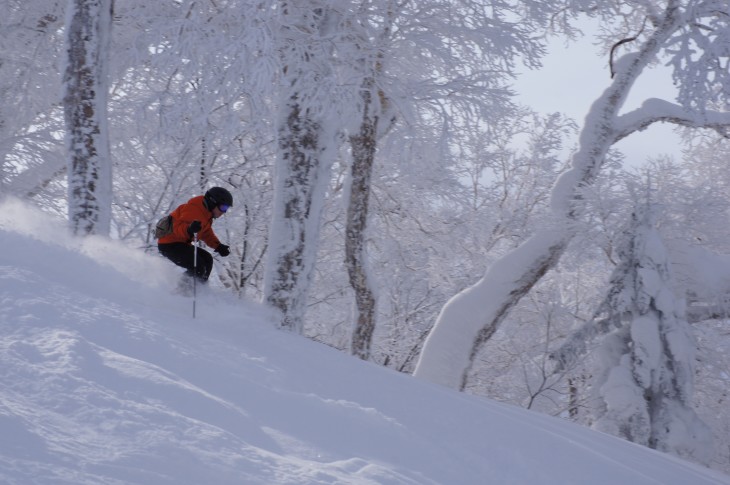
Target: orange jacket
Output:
[{"x": 192, "y": 210}]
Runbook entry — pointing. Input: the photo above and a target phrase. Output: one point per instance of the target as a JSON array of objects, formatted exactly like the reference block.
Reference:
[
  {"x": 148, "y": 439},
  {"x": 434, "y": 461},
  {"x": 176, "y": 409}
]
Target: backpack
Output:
[{"x": 163, "y": 227}]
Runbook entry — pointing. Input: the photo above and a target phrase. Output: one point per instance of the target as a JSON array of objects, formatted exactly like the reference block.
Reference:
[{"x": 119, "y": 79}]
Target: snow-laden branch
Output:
[
  {"x": 576, "y": 346},
  {"x": 471, "y": 317},
  {"x": 655, "y": 110}
]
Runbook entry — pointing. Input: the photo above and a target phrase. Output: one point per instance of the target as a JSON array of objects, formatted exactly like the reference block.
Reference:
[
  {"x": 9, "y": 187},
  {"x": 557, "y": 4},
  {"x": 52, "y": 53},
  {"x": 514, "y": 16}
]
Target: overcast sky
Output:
[{"x": 573, "y": 76}]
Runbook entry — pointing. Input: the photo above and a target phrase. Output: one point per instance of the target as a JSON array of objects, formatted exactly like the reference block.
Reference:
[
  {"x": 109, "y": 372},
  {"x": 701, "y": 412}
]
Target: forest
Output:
[{"x": 393, "y": 198}]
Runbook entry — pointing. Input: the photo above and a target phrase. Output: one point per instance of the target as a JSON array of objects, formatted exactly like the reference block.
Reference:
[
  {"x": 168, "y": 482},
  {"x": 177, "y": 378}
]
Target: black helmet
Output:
[{"x": 216, "y": 196}]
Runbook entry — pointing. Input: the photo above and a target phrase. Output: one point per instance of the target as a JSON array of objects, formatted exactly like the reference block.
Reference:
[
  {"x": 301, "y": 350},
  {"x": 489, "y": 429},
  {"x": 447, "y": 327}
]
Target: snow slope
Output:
[{"x": 106, "y": 379}]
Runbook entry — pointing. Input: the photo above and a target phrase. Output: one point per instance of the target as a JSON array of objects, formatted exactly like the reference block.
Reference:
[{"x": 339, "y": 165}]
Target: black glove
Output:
[
  {"x": 223, "y": 250},
  {"x": 194, "y": 227}
]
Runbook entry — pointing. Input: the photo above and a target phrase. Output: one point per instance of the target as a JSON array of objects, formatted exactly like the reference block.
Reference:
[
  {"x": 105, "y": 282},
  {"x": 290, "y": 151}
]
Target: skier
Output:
[{"x": 195, "y": 216}]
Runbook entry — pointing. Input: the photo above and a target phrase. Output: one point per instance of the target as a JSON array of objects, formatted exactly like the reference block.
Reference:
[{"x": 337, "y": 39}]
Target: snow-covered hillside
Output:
[{"x": 105, "y": 378}]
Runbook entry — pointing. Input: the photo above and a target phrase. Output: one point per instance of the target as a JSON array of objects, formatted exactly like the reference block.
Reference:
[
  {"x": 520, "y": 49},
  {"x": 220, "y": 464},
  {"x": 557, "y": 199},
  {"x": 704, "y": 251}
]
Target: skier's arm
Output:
[{"x": 208, "y": 237}]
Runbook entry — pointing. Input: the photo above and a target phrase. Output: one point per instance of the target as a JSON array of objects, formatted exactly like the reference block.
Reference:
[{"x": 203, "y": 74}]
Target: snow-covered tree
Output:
[
  {"x": 644, "y": 384},
  {"x": 85, "y": 81},
  {"x": 669, "y": 29},
  {"x": 411, "y": 86},
  {"x": 307, "y": 146},
  {"x": 31, "y": 39},
  {"x": 363, "y": 144},
  {"x": 190, "y": 109}
]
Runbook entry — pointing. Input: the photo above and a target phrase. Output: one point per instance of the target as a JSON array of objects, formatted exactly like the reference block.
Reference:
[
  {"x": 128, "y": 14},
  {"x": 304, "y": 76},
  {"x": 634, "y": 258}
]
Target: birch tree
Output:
[
  {"x": 672, "y": 28},
  {"x": 376, "y": 119},
  {"x": 363, "y": 156},
  {"x": 306, "y": 149},
  {"x": 410, "y": 83},
  {"x": 85, "y": 107}
]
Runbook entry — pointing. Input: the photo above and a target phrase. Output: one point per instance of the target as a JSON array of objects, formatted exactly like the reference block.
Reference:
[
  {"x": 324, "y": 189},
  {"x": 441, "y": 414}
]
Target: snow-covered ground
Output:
[{"x": 105, "y": 378}]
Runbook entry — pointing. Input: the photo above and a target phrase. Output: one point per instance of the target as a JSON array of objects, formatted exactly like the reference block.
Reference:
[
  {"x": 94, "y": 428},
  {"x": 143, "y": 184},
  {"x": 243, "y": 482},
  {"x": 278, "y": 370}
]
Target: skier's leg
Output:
[
  {"x": 205, "y": 264},
  {"x": 183, "y": 255},
  {"x": 179, "y": 253}
]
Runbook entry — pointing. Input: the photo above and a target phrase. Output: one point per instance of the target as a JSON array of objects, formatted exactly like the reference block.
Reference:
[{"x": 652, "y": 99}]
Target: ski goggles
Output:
[{"x": 224, "y": 208}]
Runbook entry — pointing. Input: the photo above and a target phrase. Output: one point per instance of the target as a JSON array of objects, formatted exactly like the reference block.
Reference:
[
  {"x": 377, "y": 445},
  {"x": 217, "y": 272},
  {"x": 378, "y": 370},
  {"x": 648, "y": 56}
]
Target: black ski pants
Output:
[{"x": 182, "y": 254}]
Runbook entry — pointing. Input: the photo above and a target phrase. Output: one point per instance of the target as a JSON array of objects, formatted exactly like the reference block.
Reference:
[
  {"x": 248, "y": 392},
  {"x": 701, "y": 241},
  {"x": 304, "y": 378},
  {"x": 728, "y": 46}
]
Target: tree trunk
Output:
[
  {"x": 363, "y": 155},
  {"x": 303, "y": 162},
  {"x": 85, "y": 109},
  {"x": 299, "y": 193},
  {"x": 471, "y": 317}
]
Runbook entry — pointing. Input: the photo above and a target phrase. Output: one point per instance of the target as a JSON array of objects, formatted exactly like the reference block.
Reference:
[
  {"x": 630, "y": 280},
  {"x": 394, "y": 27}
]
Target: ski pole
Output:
[{"x": 195, "y": 268}]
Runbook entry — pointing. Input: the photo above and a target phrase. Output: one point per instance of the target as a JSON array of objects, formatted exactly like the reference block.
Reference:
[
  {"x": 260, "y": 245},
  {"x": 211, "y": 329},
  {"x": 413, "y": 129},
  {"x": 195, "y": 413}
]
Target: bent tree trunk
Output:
[{"x": 471, "y": 317}]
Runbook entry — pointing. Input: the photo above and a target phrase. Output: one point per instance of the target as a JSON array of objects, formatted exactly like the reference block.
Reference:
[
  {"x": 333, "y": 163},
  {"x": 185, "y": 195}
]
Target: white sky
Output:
[{"x": 573, "y": 76}]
